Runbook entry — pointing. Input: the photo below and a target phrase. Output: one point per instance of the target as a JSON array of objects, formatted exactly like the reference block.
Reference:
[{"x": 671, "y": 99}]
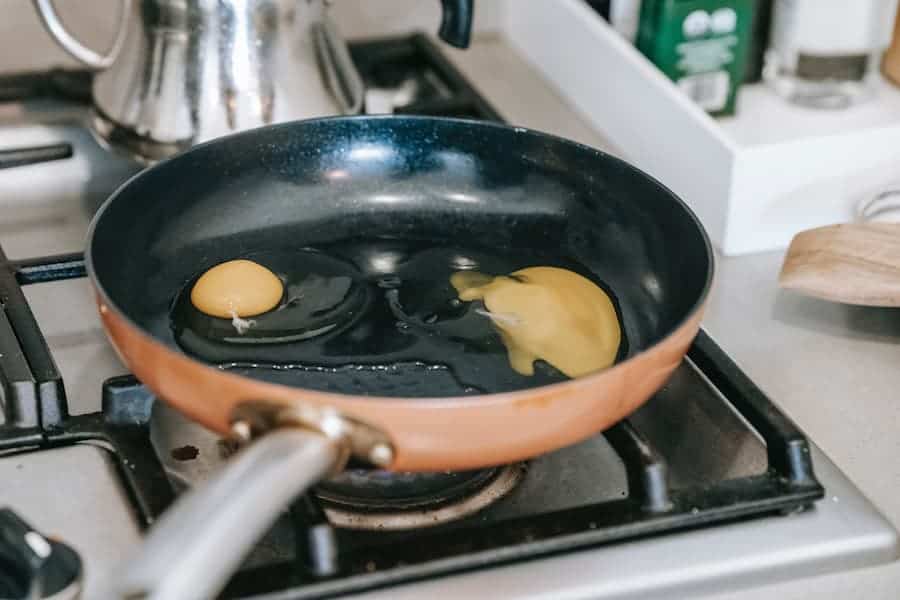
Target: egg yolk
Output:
[
  {"x": 547, "y": 313},
  {"x": 237, "y": 288}
]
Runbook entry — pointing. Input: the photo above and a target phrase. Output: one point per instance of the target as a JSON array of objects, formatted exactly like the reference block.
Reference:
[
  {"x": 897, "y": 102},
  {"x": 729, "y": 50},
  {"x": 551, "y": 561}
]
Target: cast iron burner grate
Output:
[{"x": 663, "y": 491}]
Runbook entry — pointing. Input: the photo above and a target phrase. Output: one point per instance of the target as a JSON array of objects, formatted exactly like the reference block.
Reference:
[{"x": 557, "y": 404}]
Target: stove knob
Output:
[{"x": 33, "y": 567}]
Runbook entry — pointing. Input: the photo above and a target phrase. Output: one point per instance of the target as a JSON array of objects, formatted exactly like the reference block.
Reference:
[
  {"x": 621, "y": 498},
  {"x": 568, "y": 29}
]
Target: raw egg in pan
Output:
[{"x": 237, "y": 289}]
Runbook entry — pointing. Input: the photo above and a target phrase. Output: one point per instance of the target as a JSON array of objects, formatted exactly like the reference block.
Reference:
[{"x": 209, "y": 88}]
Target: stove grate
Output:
[{"x": 329, "y": 561}]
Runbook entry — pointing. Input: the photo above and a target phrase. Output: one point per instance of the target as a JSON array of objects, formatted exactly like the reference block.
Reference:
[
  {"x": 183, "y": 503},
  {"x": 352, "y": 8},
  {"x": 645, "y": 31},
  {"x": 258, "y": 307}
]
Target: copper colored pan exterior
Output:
[
  {"x": 322, "y": 184},
  {"x": 428, "y": 434}
]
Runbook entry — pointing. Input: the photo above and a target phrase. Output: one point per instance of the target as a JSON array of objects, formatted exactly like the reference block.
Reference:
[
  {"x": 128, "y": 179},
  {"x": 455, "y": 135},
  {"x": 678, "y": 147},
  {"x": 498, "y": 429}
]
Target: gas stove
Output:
[{"x": 709, "y": 486}]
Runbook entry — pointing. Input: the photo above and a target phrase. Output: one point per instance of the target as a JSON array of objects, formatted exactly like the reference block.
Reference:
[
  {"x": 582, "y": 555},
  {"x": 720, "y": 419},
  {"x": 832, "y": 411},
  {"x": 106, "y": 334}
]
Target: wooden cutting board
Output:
[
  {"x": 891, "y": 64},
  {"x": 855, "y": 264}
]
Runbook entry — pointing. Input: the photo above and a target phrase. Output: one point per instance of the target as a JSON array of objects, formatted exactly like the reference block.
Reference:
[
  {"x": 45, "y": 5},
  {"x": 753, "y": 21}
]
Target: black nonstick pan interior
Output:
[{"x": 381, "y": 195}]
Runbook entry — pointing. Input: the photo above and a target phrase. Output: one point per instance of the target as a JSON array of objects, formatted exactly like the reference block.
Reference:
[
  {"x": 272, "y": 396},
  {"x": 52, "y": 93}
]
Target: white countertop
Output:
[{"x": 834, "y": 369}]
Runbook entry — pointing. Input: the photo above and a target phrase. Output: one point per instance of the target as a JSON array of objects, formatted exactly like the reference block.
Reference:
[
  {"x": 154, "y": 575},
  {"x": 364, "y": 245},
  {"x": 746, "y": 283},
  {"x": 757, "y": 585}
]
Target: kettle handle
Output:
[
  {"x": 456, "y": 22},
  {"x": 93, "y": 60}
]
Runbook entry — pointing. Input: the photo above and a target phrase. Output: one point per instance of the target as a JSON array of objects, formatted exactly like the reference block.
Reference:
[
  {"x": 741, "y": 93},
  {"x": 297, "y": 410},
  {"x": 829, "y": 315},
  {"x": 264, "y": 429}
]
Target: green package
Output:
[{"x": 701, "y": 45}]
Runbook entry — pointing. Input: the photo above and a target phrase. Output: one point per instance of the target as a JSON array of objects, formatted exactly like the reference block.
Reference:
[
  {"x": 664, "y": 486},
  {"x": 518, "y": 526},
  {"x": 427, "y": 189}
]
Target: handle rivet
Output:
[
  {"x": 381, "y": 455},
  {"x": 241, "y": 431}
]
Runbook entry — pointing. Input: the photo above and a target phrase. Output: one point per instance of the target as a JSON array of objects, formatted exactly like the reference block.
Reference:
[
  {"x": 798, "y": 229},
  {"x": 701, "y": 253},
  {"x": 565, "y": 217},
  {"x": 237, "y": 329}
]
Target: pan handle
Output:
[{"x": 197, "y": 544}]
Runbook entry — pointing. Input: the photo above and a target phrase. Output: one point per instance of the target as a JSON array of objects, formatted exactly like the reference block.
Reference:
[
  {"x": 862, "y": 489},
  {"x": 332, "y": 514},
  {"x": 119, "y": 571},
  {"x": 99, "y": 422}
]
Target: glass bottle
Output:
[{"x": 827, "y": 53}]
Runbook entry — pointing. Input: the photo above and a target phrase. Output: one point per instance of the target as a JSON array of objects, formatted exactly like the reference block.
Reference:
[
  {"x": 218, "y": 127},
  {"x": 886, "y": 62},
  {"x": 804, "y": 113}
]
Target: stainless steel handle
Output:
[
  {"x": 196, "y": 545},
  {"x": 79, "y": 51},
  {"x": 341, "y": 76}
]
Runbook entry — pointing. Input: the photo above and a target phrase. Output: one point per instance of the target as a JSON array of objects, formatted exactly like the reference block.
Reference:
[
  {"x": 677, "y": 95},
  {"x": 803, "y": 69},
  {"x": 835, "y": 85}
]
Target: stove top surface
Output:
[{"x": 707, "y": 486}]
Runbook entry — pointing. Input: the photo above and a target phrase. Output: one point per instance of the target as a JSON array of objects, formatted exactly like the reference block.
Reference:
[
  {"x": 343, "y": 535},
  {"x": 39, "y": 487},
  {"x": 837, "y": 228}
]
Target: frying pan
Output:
[{"x": 320, "y": 182}]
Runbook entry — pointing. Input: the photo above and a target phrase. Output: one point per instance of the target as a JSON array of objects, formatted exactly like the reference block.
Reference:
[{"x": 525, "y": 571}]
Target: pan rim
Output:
[{"x": 502, "y": 396}]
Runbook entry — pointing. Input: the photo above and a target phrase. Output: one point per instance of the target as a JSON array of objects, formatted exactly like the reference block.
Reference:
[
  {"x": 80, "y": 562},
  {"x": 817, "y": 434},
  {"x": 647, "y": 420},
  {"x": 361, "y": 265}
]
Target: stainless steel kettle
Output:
[{"x": 184, "y": 71}]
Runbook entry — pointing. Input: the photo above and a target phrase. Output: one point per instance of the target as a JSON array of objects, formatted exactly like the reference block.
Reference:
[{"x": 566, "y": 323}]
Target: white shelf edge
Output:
[{"x": 750, "y": 197}]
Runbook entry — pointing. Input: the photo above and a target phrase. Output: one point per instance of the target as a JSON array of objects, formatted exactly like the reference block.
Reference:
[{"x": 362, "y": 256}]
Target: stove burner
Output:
[
  {"x": 353, "y": 499},
  {"x": 395, "y": 501},
  {"x": 382, "y": 490}
]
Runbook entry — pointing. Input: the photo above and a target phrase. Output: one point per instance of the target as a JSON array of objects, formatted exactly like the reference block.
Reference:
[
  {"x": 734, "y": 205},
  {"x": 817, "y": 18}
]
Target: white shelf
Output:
[
  {"x": 754, "y": 179},
  {"x": 764, "y": 118}
]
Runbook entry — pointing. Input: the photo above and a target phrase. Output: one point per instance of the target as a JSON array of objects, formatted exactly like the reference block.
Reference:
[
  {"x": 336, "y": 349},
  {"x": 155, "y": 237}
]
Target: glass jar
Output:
[{"x": 827, "y": 53}]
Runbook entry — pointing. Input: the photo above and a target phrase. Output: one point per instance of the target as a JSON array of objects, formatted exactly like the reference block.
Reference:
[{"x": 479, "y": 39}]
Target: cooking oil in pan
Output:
[{"x": 385, "y": 317}]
